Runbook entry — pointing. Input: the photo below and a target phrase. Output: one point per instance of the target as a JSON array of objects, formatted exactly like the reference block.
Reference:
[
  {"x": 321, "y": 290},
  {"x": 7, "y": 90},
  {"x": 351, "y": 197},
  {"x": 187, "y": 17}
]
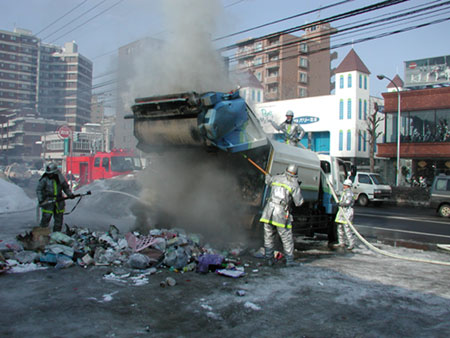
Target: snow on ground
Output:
[{"x": 13, "y": 198}]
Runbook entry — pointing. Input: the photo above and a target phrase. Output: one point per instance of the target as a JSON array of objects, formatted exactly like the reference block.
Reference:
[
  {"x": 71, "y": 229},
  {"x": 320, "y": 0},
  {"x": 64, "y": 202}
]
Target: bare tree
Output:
[{"x": 373, "y": 121}]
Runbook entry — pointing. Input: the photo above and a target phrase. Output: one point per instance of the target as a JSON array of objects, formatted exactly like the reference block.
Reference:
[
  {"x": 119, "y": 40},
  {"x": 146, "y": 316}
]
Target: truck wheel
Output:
[
  {"x": 444, "y": 210},
  {"x": 363, "y": 200}
]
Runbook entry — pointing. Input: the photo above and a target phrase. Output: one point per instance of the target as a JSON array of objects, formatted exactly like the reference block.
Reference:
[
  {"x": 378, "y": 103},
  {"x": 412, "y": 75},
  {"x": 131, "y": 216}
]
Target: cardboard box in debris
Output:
[{"x": 173, "y": 249}]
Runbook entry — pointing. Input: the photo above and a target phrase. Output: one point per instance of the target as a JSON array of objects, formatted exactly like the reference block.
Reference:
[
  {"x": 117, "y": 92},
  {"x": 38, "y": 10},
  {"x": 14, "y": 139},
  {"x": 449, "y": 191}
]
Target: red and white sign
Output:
[
  {"x": 412, "y": 65},
  {"x": 64, "y": 132}
]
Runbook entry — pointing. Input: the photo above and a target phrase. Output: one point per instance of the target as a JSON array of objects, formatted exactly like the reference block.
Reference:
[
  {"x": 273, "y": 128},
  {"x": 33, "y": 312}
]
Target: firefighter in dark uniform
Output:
[{"x": 49, "y": 193}]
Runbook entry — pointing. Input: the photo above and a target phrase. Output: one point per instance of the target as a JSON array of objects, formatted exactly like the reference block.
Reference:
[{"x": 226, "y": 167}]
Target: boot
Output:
[
  {"x": 290, "y": 261},
  {"x": 269, "y": 257}
]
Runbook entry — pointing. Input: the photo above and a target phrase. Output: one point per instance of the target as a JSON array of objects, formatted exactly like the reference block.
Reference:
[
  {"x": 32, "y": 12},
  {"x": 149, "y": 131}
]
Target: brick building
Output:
[
  {"x": 289, "y": 66},
  {"x": 424, "y": 136}
]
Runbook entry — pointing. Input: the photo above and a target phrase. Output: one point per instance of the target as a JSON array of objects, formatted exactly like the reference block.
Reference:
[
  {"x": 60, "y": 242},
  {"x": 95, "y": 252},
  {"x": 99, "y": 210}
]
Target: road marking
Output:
[
  {"x": 403, "y": 218},
  {"x": 405, "y": 231}
]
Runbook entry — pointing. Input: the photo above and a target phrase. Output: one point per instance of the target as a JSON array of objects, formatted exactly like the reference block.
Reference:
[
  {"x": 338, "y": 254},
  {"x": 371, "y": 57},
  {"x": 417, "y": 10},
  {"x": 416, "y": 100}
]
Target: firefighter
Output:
[
  {"x": 276, "y": 216},
  {"x": 49, "y": 193},
  {"x": 292, "y": 132},
  {"x": 346, "y": 202}
]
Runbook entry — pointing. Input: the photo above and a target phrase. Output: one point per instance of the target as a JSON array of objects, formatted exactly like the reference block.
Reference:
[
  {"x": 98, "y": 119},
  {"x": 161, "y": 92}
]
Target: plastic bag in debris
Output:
[
  {"x": 139, "y": 261},
  {"x": 176, "y": 258},
  {"x": 50, "y": 257},
  {"x": 59, "y": 248},
  {"x": 60, "y": 238},
  {"x": 63, "y": 261},
  {"x": 105, "y": 257},
  {"x": 208, "y": 262},
  {"x": 105, "y": 238},
  {"x": 113, "y": 232},
  {"x": 26, "y": 256},
  {"x": 235, "y": 273}
]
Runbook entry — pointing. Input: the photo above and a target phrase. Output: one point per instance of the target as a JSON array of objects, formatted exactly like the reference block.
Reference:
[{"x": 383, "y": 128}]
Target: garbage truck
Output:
[{"x": 222, "y": 123}]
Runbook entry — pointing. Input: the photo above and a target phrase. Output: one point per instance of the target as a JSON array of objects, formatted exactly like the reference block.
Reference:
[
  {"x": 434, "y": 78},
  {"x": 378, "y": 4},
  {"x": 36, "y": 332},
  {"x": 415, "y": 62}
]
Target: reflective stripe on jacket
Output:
[{"x": 285, "y": 190}]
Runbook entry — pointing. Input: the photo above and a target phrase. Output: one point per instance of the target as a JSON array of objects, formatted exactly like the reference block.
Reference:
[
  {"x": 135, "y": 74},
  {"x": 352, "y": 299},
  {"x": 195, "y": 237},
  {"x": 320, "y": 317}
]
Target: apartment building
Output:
[
  {"x": 289, "y": 66},
  {"x": 54, "y": 81}
]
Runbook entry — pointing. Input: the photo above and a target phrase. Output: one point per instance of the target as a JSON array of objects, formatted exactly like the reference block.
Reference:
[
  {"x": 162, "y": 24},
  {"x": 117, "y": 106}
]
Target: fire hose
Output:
[
  {"x": 47, "y": 202},
  {"x": 358, "y": 235}
]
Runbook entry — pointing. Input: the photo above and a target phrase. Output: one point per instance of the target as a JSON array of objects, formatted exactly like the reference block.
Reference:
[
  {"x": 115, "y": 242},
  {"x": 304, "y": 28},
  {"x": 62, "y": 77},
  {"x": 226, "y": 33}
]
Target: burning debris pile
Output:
[{"x": 172, "y": 249}]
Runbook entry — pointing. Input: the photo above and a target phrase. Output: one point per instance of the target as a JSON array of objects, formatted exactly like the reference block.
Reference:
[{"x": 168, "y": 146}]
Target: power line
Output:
[
  {"x": 281, "y": 20},
  {"x": 85, "y": 22},
  {"x": 61, "y": 17},
  {"x": 373, "y": 37},
  {"x": 79, "y": 16},
  {"x": 340, "y": 31},
  {"x": 234, "y": 3},
  {"x": 362, "y": 10}
]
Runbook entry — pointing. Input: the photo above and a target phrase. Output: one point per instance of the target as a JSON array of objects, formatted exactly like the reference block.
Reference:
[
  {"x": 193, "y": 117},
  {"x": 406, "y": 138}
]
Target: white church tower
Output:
[{"x": 353, "y": 100}]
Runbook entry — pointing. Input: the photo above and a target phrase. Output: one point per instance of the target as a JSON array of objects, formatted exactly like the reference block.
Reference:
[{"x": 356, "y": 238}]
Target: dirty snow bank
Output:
[{"x": 13, "y": 198}]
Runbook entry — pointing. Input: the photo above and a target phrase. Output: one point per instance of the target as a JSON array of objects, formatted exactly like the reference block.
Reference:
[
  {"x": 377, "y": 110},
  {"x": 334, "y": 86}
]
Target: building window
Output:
[
  {"x": 360, "y": 109},
  {"x": 272, "y": 88},
  {"x": 349, "y": 109},
  {"x": 259, "y": 96},
  {"x": 365, "y": 109},
  {"x": 303, "y": 92},
  {"x": 341, "y": 140},
  {"x": 272, "y": 72},
  {"x": 258, "y": 61},
  {"x": 303, "y": 77},
  {"x": 359, "y": 141},
  {"x": 349, "y": 139},
  {"x": 360, "y": 81},
  {"x": 365, "y": 82},
  {"x": 341, "y": 109},
  {"x": 341, "y": 81},
  {"x": 273, "y": 57},
  {"x": 365, "y": 140},
  {"x": 304, "y": 62},
  {"x": 253, "y": 95},
  {"x": 274, "y": 41},
  {"x": 349, "y": 81},
  {"x": 303, "y": 47},
  {"x": 258, "y": 76},
  {"x": 258, "y": 46}
]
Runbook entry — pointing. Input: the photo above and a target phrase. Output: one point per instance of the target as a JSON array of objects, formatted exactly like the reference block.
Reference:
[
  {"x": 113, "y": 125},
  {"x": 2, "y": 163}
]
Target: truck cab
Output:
[{"x": 370, "y": 187}]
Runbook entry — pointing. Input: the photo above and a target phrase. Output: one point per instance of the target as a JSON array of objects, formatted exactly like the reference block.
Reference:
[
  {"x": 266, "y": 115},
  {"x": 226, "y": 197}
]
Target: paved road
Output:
[{"x": 416, "y": 224}]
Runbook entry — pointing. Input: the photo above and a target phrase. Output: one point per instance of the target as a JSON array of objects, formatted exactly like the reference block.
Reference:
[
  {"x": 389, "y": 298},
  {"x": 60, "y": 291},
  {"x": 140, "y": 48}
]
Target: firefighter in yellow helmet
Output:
[{"x": 276, "y": 216}]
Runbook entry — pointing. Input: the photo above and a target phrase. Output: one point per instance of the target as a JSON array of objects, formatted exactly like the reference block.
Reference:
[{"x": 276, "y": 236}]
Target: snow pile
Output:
[{"x": 13, "y": 198}]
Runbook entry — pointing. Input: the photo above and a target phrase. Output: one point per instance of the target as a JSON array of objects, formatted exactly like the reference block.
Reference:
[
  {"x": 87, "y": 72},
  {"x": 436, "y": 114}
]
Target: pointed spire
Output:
[
  {"x": 398, "y": 81},
  {"x": 352, "y": 62}
]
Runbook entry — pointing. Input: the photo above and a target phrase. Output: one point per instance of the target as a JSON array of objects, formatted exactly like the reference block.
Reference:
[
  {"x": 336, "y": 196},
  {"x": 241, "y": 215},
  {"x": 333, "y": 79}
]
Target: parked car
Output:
[
  {"x": 370, "y": 187},
  {"x": 440, "y": 195}
]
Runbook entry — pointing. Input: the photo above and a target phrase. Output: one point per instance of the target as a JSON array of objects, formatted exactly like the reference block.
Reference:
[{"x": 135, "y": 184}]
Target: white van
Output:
[{"x": 370, "y": 187}]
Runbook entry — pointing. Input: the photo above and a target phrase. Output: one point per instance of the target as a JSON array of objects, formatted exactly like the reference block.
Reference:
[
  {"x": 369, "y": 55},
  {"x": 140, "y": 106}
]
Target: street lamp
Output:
[{"x": 381, "y": 77}]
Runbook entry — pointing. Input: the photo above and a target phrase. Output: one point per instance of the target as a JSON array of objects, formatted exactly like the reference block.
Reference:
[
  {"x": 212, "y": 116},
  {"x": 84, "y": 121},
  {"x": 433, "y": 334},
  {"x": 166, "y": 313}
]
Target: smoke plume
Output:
[{"x": 184, "y": 61}]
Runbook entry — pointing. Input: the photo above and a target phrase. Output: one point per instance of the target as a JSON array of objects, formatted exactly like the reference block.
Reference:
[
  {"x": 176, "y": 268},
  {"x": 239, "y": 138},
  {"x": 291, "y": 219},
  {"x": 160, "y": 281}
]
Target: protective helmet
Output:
[
  {"x": 348, "y": 182},
  {"x": 51, "y": 168},
  {"x": 291, "y": 170},
  {"x": 290, "y": 113}
]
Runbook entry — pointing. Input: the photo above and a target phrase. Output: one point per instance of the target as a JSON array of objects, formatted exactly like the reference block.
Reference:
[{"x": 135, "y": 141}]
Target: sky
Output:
[{"x": 100, "y": 27}]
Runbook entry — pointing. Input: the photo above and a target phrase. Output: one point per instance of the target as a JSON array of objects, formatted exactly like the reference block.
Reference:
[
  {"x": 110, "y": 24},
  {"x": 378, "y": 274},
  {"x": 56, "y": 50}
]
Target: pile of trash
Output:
[{"x": 160, "y": 248}]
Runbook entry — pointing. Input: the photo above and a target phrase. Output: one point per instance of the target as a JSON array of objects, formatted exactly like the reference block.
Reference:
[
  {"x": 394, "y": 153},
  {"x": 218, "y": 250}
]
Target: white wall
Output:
[{"x": 325, "y": 112}]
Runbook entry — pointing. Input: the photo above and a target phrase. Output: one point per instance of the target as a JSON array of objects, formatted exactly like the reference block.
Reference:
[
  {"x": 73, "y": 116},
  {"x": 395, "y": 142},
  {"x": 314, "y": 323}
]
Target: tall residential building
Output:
[
  {"x": 54, "y": 81},
  {"x": 128, "y": 55},
  {"x": 289, "y": 66}
]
